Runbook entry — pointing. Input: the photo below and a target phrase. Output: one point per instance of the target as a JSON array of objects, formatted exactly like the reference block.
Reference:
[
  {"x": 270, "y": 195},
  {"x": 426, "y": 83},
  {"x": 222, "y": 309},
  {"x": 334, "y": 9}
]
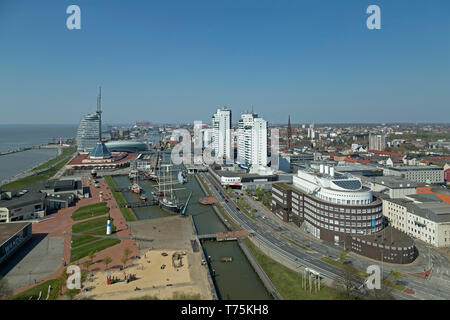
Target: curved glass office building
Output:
[{"x": 88, "y": 132}]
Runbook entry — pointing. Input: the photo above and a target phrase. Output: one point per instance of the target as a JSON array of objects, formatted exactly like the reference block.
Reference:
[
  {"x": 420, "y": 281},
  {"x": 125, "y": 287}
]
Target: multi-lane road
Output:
[{"x": 268, "y": 232}]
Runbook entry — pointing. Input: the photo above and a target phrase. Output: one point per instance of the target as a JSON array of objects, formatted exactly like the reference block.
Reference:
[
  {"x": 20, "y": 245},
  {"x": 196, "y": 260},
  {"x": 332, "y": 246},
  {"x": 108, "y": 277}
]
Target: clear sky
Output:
[{"x": 177, "y": 61}]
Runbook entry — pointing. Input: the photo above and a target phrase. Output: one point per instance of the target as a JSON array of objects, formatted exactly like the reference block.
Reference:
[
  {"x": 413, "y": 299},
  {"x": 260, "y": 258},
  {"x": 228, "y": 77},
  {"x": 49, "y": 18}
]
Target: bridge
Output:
[{"x": 223, "y": 236}]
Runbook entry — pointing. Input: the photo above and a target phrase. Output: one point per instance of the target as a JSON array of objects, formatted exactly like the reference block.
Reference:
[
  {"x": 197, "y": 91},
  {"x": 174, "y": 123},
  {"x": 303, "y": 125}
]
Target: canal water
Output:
[{"x": 234, "y": 280}]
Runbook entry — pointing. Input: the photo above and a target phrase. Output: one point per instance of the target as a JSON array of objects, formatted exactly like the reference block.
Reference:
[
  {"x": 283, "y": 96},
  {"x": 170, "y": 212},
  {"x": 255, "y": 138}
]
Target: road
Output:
[{"x": 268, "y": 231}]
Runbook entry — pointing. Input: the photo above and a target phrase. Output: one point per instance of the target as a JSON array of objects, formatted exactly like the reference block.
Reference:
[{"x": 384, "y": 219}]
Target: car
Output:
[
  {"x": 238, "y": 209},
  {"x": 227, "y": 197}
]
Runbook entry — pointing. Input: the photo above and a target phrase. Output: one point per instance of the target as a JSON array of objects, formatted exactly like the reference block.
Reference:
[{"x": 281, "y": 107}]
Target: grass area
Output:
[
  {"x": 65, "y": 153},
  {"x": 37, "y": 177},
  {"x": 86, "y": 226},
  {"x": 80, "y": 240},
  {"x": 295, "y": 243},
  {"x": 92, "y": 210},
  {"x": 98, "y": 246},
  {"x": 360, "y": 273},
  {"x": 204, "y": 185},
  {"x": 218, "y": 206},
  {"x": 127, "y": 213},
  {"x": 43, "y": 287},
  {"x": 287, "y": 281},
  {"x": 89, "y": 243},
  {"x": 345, "y": 266}
]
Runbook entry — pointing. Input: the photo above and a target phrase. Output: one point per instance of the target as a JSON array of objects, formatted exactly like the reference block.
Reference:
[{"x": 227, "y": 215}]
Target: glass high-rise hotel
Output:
[{"x": 89, "y": 132}]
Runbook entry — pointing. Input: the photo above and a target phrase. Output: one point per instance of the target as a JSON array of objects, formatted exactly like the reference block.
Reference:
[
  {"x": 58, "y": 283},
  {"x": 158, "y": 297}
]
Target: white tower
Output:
[{"x": 108, "y": 226}]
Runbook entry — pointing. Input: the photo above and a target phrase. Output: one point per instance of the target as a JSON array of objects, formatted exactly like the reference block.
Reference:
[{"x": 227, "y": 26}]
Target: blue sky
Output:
[{"x": 177, "y": 61}]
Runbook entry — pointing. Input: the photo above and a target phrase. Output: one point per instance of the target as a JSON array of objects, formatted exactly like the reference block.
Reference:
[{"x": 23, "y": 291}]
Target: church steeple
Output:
[{"x": 289, "y": 134}]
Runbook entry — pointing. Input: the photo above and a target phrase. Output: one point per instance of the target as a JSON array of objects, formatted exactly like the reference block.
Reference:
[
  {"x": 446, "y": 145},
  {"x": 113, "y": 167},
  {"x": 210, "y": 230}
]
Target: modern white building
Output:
[
  {"x": 377, "y": 142},
  {"x": 252, "y": 140},
  {"x": 88, "y": 133},
  {"x": 221, "y": 134}
]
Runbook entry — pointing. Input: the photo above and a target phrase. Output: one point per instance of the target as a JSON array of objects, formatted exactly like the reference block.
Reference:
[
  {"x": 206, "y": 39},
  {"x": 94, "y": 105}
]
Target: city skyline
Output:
[{"x": 169, "y": 63}]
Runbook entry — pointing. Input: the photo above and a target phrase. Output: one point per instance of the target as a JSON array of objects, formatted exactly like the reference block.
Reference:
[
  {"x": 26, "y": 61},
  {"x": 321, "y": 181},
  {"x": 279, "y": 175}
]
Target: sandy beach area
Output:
[{"x": 157, "y": 274}]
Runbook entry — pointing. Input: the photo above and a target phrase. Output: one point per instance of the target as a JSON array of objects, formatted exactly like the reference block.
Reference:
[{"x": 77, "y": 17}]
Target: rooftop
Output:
[
  {"x": 417, "y": 168},
  {"x": 392, "y": 182},
  {"x": 8, "y": 230},
  {"x": 20, "y": 199}
]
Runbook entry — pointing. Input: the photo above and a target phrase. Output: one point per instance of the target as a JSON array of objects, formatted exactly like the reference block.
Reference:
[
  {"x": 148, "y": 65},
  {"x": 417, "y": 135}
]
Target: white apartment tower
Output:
[
  {"x": 221, "y": 134},
  {"x": 377, "y": 142},
  {"x": 252, "y": 140}
]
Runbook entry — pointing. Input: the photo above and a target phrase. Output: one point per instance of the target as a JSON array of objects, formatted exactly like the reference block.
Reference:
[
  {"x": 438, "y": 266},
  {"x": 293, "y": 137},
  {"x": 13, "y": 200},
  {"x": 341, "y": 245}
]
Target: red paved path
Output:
[{"x": 62, "y": 222}]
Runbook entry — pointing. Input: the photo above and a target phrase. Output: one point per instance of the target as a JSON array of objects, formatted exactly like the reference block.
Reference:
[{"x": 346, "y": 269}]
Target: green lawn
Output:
[
  {"x": 98, "y": 246},
  {"x": 127, "y": 213},
  {"x": 65, "y": 153},
  {"x": 345, "y": 266},
  {"x": 89, "y": 243},
  {"x": 41, "y": 176},
  {"x": 80, "y": 240},
  {"x": 363, "y": 274},
  {"x": 86, "y": 226},
  {"x": 287, "y": 281},
  {"x": 295, "y": 243},
  {"x": 92, "y": 210},
  {"x": 43, "y": 287}
]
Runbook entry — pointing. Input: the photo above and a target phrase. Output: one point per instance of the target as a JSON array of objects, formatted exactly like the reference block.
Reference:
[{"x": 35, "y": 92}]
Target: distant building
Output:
[
  {"x": 423, "y": 174},
  {"x": 88, "y": 133},
  {"x": 90, "y": 128},
  {"x": 377, "y": 142},
  {"x": 222, "y": 141},
  {"x": 126, "y": 146},
  {"x": 252, "y": 140}
]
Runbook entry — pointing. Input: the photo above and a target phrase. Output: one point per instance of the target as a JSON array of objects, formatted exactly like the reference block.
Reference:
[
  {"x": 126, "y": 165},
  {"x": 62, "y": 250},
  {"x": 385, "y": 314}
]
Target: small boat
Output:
[{"x": 226, "y": 259}]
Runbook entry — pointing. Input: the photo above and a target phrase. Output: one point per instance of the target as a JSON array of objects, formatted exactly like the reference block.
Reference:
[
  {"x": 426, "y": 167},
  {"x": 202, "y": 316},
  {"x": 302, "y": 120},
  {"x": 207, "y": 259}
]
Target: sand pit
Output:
[{"x": 151, "y": 279}]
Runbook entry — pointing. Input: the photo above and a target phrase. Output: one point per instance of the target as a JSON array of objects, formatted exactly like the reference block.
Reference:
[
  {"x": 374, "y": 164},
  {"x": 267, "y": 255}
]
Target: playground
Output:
[{"x": 158, "y": 273}]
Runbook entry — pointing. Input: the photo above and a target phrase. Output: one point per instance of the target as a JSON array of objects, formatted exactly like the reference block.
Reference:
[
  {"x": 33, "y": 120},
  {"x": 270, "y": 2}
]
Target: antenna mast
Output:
[{"x": 99, "y": 111}]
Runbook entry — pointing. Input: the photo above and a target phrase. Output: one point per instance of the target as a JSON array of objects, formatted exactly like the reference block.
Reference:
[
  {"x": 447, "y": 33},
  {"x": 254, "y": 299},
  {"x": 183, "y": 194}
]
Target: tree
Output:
[
  {"x": 126, "y": 254},
  {"x": 87, "y": 264},
  {"x": 347, "y": 283},
  {"x": 91, "y": 256},
  {"x": 107, "y": 260},
  {"x": 396, "y": 275}
]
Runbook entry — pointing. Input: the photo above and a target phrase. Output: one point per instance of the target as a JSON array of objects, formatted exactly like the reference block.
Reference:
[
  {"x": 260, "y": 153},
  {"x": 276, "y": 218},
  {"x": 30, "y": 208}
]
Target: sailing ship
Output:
[{"x": 165, "y": 193}]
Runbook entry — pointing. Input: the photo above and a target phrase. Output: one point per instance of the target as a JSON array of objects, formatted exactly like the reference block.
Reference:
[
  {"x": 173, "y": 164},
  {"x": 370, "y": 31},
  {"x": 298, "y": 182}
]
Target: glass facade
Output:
[{"x": 88, "y": 132}]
